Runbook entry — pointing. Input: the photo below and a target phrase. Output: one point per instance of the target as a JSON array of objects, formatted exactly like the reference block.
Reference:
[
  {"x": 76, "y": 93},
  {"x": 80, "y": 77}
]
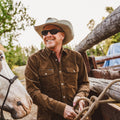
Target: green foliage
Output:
[
  {"x": 109, "y": 9},
  {"x": 42, "y": 46},
  {"x": 30, "y": 50},
  {"x": 116, "y": 38},
  {"x": 67, "y": 46},
  {"x": 20, "y": 57},
  {"x": 10, "y": 54},
  {"x": 5, "y": 16},
  {"x": 13, "y": 17},
  {"x": 91, "y": 24},
  {"x": 14, "y": 54},
  {"x": 97, "y": 50}
]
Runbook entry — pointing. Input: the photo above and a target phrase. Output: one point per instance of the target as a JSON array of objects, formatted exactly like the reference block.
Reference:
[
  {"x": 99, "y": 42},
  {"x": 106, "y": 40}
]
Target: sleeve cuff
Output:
[
  {"x": 60, "y": 108},
  {"x": 83, "y": 94}
]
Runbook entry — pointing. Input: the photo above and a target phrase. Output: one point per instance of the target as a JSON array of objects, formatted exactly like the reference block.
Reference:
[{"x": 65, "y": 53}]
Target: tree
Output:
[
  {"x": 20, "y": 56},
  {"x": 30, "y": 50},
  {"x": 15, "y": 54},
  {"x": 107, "y": 28},
  {"x": 10, "y": 54},
  {"x": 13, "y": 19}
]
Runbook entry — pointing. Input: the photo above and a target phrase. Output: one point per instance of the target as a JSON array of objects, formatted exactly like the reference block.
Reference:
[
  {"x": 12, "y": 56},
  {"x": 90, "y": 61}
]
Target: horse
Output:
[{"x": 18, "y": 102}]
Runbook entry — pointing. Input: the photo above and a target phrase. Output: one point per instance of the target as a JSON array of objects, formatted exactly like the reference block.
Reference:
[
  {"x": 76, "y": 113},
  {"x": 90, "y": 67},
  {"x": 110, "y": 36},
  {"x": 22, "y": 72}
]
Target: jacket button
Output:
[
  {"x": 73, "y": 70},
  {"x": 60, "y": 71},
  {"x": 62, "y": 83},
  {"x": 45, "y": 73},
  {"x": 64, "y": 97}
]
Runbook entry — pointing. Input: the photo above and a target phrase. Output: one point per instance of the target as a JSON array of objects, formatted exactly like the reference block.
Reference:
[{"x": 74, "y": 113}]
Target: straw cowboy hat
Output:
[{"x": 64, "y": 24}]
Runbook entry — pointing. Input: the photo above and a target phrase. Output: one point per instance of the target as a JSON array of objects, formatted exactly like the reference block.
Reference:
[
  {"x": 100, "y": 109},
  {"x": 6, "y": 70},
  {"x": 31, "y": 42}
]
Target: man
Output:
[{"x": 56, "y": 77}]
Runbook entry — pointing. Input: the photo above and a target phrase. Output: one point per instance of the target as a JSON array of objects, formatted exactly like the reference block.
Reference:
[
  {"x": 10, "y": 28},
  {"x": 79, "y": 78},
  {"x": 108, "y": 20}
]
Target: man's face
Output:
[{"x": 52, "y": 40}]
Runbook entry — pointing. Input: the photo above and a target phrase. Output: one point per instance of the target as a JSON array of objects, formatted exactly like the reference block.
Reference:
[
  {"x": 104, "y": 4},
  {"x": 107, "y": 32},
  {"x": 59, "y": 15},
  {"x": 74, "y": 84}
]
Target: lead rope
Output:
[
  {"x": 93, "y": 103},
  {"x": 11, "y": 81}
]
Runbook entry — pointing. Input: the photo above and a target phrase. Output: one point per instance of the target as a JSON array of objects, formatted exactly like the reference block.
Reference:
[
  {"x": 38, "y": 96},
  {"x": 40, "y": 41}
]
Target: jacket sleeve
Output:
[
  {"x": 83, "y": 82},
  {"x": 33, "y": 88}
]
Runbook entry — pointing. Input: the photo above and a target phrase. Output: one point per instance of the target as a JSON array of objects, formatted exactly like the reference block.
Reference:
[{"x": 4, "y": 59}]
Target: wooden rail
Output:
[{"x": 104, "y": 58}]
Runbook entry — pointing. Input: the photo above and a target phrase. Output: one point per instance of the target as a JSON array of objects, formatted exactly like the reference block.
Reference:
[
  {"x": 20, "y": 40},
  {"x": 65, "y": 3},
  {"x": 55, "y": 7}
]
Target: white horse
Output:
[{"x": 18, "y": 102}]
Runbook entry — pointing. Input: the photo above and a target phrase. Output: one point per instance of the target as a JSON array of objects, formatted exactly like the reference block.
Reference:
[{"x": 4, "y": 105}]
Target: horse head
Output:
[{"x": 18, "y": 102}]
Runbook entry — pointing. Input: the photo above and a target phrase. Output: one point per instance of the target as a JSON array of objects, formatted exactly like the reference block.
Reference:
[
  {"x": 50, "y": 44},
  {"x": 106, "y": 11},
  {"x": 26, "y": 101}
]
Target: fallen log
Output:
[
  {"x": 98, "y": 85},
  {"x": 115, "y": 68},
  {"x": 107, "y": 28},
  {"x": 106, "y": 74}
]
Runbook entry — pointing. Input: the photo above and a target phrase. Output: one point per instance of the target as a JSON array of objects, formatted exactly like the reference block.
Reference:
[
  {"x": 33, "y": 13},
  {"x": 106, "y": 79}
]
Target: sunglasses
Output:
[{"x": 52, "y": 31}]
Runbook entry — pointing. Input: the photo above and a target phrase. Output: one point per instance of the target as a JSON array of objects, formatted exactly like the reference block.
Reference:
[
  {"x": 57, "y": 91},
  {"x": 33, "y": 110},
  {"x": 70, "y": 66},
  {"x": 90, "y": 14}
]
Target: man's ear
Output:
[{"x": 63, "y": 36}]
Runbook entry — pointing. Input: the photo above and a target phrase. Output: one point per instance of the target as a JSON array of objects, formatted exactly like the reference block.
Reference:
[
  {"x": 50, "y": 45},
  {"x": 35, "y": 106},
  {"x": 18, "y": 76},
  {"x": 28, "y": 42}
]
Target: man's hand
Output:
[
  {"x": 69, "y": 113},
  {"x": 81, "y": 103}
]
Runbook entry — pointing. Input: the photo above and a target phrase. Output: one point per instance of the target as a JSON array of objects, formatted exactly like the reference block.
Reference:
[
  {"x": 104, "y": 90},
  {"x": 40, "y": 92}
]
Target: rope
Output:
[{"x": 93, "y": 103}]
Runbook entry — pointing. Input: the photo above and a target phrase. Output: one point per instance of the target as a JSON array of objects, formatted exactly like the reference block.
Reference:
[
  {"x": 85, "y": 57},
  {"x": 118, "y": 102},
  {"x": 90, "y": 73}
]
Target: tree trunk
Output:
[
  {"x": 107, "y": 28},
  {"x": 98, "y": 85}
]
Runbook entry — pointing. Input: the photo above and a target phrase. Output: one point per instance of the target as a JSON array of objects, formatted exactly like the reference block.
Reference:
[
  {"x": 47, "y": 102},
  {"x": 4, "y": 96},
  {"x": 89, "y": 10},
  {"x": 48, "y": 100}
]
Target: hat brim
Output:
[{"x": 68, "y": 32}]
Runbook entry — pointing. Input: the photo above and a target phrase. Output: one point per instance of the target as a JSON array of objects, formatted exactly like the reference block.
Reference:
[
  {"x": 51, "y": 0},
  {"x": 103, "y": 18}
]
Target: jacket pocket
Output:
[
  {"x": 46, "y": 72},
  {"x": 71, "y": 81},
  {"x": 71, "y": 75},
  {"x": 72, "y": 70},
  {"x": 47, "y": 80}
]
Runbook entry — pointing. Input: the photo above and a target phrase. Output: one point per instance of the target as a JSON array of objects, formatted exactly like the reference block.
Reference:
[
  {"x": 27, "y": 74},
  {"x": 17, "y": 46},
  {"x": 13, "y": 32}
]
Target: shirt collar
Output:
[{"x": 49, "y": 52}]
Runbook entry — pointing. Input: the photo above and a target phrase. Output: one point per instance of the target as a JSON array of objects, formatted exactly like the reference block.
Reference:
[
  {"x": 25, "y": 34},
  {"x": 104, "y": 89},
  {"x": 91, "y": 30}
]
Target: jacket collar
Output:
[{"x": 49, "y": 52}]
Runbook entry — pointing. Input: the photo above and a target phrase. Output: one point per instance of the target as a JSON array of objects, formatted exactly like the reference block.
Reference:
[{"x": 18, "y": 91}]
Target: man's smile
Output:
[{"x": 49, "y": 40}]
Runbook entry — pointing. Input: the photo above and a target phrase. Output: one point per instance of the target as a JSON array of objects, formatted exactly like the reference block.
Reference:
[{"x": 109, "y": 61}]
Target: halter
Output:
[{"x": 11, "y": 81}]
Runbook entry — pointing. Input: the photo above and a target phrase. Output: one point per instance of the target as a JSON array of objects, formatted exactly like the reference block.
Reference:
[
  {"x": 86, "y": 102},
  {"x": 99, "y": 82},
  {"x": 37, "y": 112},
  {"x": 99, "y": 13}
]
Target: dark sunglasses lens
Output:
[
  {"x": 54, "y": 31},
  {"x": 44, "y": 32}
]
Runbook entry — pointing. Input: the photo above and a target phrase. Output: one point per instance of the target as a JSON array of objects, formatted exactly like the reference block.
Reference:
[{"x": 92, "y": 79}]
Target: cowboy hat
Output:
[{"x": 64, "y": 24}]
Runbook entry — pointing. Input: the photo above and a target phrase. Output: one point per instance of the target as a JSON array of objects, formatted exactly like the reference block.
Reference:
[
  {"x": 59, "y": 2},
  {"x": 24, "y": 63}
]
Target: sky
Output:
[{"x": 78, "y": 12}]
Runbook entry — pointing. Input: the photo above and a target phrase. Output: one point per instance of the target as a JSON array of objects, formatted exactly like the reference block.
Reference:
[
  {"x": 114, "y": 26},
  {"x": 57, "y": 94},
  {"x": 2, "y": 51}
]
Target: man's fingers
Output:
[
  {"x": 81, "y": 105},
  {"x": 74, "y": 114},
  {"x": 70, "y": 116},
  {"x": 69, "y": 113}
]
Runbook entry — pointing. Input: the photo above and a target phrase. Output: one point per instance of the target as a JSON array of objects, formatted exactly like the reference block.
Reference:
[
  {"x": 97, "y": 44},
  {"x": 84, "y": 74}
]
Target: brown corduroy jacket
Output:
[{"x": 53, "y": 84}]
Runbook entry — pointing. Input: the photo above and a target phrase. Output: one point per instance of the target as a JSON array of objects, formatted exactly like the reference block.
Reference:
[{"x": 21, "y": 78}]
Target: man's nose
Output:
[{"x": 49, "y": 34}]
